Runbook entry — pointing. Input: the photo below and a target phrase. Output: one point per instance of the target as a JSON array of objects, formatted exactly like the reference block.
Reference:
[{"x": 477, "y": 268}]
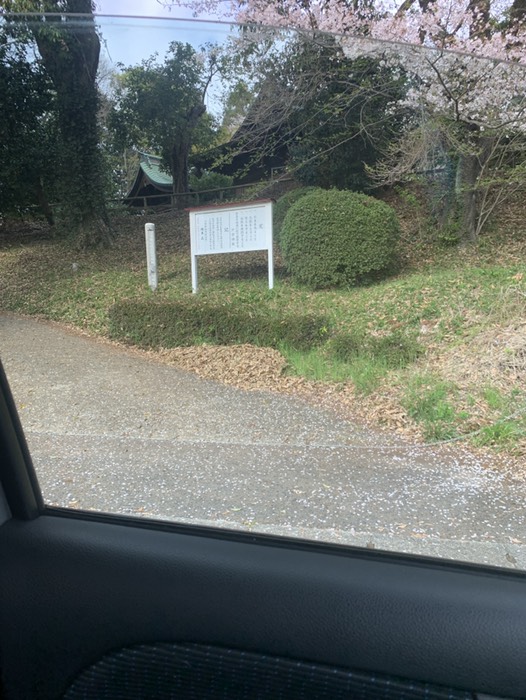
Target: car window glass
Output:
[{"x": 272, "y": 279}]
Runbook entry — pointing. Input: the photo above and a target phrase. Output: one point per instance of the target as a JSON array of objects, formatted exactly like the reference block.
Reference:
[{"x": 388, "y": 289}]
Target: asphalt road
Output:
[{"x": 114, "y": 430}]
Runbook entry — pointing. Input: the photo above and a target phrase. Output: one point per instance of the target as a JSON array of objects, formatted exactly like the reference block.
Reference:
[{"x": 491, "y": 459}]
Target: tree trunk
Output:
[
  {"x": 179, "y": 168},
  {"x": 71, "y": 55},
  {"x": 179, "y": 155},
  {"x": 442, "y": 196},
  {"x": 471, "y": 169},
  {"x": 460, "y": 212},
  {"x": 468, "y": 171},
  {"x": 43, "y": 203}
]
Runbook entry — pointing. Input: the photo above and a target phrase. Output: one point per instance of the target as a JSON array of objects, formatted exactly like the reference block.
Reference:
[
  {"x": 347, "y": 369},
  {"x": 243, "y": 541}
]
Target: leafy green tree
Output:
[
  {"x": 327, "y": 115},
  {"x": 161, "y": 107},
  {"x": 28, "y": 128},
  {"x": 69, "y": 48},
  {"x": 341, "y": 127}
]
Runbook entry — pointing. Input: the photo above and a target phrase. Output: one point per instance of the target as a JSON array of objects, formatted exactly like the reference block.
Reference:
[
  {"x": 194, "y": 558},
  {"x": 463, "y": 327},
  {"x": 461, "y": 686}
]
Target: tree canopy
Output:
[
  {"x": 428, "y": 89},
  {"x": 28, "y": 128},
  {"x": 161, "y": 107},
  {"x": 342, "y": 118},
  {"x": 465, "y": 69},
  {"x": 68, "y": 51}
]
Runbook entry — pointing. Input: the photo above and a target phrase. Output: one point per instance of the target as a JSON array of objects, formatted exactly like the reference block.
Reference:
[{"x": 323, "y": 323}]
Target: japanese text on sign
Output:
[
  {"x": 231, "y": 228},
  {"x": 230, "y": 231}
]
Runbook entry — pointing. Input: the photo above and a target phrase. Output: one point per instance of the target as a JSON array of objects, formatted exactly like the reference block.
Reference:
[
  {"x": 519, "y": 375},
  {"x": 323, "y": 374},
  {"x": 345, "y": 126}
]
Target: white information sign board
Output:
[{"x": 231, "y": 228}]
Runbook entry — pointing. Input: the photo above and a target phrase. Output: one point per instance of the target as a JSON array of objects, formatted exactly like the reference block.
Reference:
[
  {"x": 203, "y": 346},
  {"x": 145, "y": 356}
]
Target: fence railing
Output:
[
  {"x": 193, "y": 198},
  {"x": 196, "y": 198}
]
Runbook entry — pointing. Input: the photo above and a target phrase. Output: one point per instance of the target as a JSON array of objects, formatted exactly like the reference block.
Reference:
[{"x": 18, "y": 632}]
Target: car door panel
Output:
[{"x": 74, "y": 588}]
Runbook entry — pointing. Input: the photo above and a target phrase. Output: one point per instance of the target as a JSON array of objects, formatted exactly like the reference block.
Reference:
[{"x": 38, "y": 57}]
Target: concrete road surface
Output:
[{"x": 113, "y": 430}]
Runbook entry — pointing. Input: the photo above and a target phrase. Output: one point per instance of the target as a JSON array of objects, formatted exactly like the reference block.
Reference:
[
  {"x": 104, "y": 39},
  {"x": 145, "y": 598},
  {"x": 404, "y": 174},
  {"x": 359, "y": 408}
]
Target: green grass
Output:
[
  {"x": 375, "y": 336},
  {"x": 444, "y": 413},
  {"x": 393, "y": 349},
  {"x": 501, "y": 435},
  {"x": 494, "y": 398},
  {"x": 353, "y": 356},
  {"x": 315, "y": 364},
  {"x": 367, "y": 374},
  {"x": 318, "y": 364},
  {"x": 509, "y": 427},
  {"x": 431, "y": 402}
]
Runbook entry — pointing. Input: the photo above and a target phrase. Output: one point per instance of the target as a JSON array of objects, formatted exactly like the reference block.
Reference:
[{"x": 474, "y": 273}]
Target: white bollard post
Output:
[{"x": 151, "y": 255}]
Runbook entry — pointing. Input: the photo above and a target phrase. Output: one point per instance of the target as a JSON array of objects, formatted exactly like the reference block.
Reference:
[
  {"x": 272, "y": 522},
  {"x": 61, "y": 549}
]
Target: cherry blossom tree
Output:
[
  {"x": 465, "y": 63},
  {"x": 476, "y": 27}
]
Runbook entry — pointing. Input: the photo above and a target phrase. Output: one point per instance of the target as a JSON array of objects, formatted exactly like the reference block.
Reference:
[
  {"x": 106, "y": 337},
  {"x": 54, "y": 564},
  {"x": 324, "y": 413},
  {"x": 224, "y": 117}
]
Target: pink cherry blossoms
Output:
[
  {"x": 445, "y": 43},
  {"x": 476, "y": 28},
  {"x": 464, "y": 67}
]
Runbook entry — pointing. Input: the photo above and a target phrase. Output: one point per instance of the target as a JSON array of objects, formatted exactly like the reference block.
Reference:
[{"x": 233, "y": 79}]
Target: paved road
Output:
[{"x": 114, "y": 430}]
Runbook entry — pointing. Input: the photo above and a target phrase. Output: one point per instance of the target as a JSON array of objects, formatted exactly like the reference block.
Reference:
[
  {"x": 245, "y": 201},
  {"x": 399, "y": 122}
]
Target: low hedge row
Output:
[{"x": 192, "y": 321}]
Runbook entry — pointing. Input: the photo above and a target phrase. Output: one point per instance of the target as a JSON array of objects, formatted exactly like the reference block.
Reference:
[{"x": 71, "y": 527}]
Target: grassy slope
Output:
[{"x": 440, "y": 348}]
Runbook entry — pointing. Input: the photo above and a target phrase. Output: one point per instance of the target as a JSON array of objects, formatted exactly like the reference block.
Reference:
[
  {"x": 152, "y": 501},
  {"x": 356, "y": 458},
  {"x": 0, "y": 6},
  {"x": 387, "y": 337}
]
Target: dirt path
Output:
[{"x": 118, "y": 431}]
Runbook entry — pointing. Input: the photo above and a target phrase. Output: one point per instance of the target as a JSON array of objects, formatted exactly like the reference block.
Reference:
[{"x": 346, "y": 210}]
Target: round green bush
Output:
[
  {"x": 283, "y": 205},
  {"x": 335, "y": 238}
]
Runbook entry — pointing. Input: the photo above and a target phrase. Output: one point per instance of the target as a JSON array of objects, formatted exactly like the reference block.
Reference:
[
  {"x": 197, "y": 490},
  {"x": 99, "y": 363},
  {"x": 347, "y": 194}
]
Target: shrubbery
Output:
[
  {"x": 209, "y": 181},
  {"x": 192, "y": 321},
  {"x": 283, "y": 205},
  {"x": 336, "y": 238}
]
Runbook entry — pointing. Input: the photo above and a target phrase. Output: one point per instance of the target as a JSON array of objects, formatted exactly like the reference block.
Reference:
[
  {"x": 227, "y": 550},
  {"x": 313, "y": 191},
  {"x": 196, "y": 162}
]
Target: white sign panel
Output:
[
  {"x": 231, "y": 231},
  {"x": 231, "y": 228}
]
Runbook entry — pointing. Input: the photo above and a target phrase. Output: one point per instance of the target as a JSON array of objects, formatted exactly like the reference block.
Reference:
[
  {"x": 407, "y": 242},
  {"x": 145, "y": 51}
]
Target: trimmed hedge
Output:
[
  {"x": 283, "y": 205},
  {"x": 336, "y": 238},
  {"x": 194, "y": 321}
]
